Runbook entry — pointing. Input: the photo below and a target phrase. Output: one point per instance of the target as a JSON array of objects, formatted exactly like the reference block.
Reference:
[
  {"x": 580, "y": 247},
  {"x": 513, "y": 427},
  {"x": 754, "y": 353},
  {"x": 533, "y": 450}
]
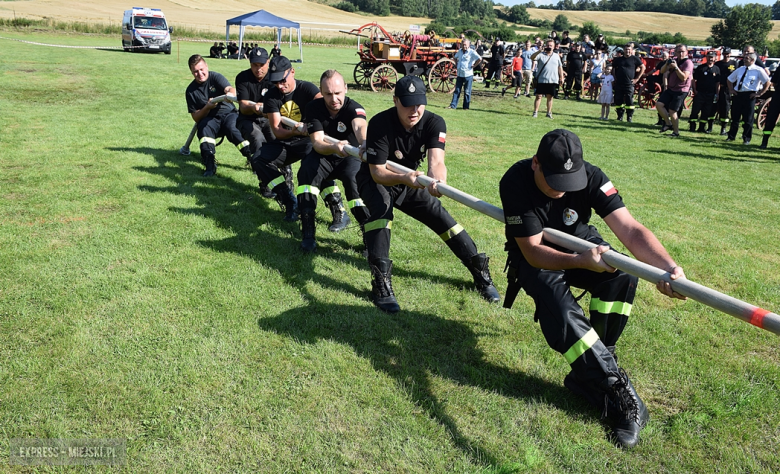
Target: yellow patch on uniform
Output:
[{"x": 291, "y": 110}]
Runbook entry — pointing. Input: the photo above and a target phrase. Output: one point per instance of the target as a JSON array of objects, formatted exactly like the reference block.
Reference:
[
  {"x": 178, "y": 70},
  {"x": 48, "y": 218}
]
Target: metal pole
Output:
[{"x": 752, "y": 314}]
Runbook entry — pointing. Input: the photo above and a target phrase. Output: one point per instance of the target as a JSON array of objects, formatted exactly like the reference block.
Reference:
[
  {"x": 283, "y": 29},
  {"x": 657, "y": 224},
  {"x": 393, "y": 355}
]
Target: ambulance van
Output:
[{"x": 145, "y": 29}]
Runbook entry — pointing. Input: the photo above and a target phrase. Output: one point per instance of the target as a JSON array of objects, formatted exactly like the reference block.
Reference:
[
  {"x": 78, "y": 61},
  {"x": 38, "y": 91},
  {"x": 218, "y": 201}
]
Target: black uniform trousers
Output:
[
  {"x": 702, "y": 103},
  {"x": 417, "y": 203},
  {"x": 743, "y": 109},
  {"x": 277, "y": 154},
  {"x": 624, "y": 99},
  {"x": 583, "y": 341},
  {"x": 256, "y": 130},
  {"x": 316, "y": 169},
  {"x": 494, "y": 73},
  {"x": 724, "y": 105},
  {"x": 221, "y": 125},
  {"x": 575, "y": 79},
  {"x": 772, "y": 114}
]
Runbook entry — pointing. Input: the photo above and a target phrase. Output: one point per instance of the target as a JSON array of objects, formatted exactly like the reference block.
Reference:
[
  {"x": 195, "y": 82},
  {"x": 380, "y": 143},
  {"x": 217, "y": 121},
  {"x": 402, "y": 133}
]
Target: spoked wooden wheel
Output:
[
  {"x": 384, "y": 78},
  {"x": 362, "y": 73},
  {"x": 648, "y": 95},
  {"x": 507, "y": 75},
  {"x": 441, "y": 77},
  {"x": 763, "y": 111}
]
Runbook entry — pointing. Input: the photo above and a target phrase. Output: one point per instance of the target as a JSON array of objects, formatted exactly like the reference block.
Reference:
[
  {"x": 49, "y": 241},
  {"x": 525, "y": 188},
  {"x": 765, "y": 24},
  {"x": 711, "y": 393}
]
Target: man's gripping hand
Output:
[
  {"x": 676, "y": 273},
  {"x": 591, "y": 260}
]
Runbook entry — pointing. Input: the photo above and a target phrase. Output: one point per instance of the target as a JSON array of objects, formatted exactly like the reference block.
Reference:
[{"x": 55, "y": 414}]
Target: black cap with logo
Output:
[
  {"x": 410, "y": 90},
  {"x": 560, "y": 156},
  {"x": 278, "y": 68},
  {"x": 258, "y": 55}
]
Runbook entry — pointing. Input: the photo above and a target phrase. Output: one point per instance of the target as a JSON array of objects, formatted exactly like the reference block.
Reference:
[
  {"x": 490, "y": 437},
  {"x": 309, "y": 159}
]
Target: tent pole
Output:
[{"x": 300, "y": 45}]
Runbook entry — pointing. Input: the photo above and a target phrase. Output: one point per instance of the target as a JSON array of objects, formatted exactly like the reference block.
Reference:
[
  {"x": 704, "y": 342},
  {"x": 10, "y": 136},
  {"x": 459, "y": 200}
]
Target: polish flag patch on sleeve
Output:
[
  {"x": 442, "y": 137},
  {"x": 360, "y": 112},
  {"x": 609, "y": 189}
]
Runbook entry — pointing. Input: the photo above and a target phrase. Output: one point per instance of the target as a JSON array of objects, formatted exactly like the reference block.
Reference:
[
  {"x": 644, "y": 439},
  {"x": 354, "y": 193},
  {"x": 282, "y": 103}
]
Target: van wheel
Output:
[{"x": 167, "y": 52}]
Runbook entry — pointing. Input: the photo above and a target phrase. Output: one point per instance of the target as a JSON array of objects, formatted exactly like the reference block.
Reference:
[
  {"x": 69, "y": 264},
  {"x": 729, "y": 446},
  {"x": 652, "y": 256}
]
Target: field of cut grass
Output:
[{"x": 141, "y": 301}]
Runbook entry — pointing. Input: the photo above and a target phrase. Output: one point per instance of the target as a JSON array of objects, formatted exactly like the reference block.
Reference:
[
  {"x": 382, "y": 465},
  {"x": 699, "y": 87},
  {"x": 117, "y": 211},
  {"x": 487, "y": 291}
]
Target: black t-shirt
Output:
[
  {"x": 527, "y": 211},
  {"x": 497, "y": 53},
  {"x": 565, "y": 42},
  {"x": 574, "y": 62},
  {"x": 725, "y": 68},
  {"x": 249, "y": 88},
  {"x": 198, "y": 94},
  {"x": 706, "y": 78},
  {"x": 214, "y": 51},
  {"x": 388, "y": 140},
  {"x": 624, "y": 69},
  {"x": 290, "y": 105},
  {"x": 318, "y": 119}
]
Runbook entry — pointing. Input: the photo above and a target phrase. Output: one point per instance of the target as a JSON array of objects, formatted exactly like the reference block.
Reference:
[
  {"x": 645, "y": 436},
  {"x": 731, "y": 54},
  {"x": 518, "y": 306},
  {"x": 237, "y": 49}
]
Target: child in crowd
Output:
[
  {"x": 605, "y": 98},
  {"x": 517, "y": 73}
]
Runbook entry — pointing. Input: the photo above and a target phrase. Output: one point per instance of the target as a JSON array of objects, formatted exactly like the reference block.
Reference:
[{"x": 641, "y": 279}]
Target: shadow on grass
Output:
[{"x": 412, "y": 347}]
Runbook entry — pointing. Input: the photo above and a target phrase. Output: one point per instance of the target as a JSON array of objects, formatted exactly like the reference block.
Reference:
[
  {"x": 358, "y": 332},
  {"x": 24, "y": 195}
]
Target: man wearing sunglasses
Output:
[{"x": 289, "y": 98}]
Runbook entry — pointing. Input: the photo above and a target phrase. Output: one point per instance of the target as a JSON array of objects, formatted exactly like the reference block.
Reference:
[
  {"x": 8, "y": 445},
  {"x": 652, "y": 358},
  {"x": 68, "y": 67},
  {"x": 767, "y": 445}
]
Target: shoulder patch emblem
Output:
[
  {"x": 399, "y": 155},
  {"x": 341, "y": 127},
  {"x": 570, "y": 216},
  {"x": 609, "y": 189},
  {"x": 360, "y": 112},
  {"x": 442, "y": 137}
]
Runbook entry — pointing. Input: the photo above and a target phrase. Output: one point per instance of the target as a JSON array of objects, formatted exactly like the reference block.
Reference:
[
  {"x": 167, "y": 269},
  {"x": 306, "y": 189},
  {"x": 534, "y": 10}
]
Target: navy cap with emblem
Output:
[
  {"x": 560, "y": 156},
  {"x": 279, "y": 66},
  {"x": 410, "y": 90},
  {"x": 258, "y": 55}
]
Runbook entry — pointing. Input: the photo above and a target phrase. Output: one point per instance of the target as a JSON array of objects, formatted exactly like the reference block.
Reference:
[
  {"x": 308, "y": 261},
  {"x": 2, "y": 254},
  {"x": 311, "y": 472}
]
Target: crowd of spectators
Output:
[{"x": 232, "y": 50}]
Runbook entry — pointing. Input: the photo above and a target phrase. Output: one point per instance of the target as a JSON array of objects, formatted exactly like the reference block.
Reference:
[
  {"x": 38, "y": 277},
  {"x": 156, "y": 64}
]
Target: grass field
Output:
[{"x": 141, "y": 301}]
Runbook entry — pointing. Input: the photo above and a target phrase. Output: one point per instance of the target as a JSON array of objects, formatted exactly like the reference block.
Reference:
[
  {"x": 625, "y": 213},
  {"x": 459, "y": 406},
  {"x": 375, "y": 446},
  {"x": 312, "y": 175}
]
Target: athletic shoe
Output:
[
  {"x": 746, "y": 141},
  {"x": 675, "y": 135},
  {"x": 729, "y": 139},
  {"x": 533, "y": 115},
  {"x": 665, "y": 128},
  {"x": 549, "y": 116}
]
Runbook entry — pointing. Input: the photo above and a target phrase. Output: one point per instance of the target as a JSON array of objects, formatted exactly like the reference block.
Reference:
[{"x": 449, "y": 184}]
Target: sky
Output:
[{"x": 730, "y": 3}]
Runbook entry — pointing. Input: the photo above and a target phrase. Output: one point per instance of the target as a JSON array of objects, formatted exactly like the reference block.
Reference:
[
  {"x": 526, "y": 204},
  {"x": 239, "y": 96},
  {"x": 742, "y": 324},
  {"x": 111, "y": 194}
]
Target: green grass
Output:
[{"x": 141, "y": 301}]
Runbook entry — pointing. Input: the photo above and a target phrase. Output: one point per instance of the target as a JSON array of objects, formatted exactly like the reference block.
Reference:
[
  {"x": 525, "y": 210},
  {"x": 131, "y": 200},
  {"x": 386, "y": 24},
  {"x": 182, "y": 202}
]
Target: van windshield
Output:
[{"x": 149, "y": 22}]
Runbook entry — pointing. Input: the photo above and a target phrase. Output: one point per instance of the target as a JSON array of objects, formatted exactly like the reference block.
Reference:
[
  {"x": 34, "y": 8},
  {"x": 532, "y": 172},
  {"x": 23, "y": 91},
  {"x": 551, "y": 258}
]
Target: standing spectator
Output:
[
  {"x": 497, "y": 52},
  {"x": 597, "y": 64},
  {"x": 680, "y": 71},
  {"x": 601, "y": 44},
  {"x": 746, "y": 84},
  {"x": 528, "y": 67},
  {"x": 774, "y": 111},
  {"x": 605, "y": 97},
  {"x": 517, "y": 75},
  {"x": 575, "y": 61},
  {"x": 554, "y": 36},
  {"x": 565, "y": 41},
  {"x": 627, "y": 69},
  {"x": 549, "y": 74},
  {"x": 752, "y": 49},
  {"x": 275, "y": 51},
  {"x": 706, "y": 84},
  {"x": 726, "y": 67},
  {"x": 655, "y": 77},
  {"x": 466, "y": 58},
  {"x": 588, "y": 47}
]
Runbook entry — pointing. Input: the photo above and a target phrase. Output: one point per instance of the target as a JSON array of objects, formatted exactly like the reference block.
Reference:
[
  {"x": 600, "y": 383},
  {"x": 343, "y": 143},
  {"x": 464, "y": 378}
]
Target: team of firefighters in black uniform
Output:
[{"x": 556, "y": 188}]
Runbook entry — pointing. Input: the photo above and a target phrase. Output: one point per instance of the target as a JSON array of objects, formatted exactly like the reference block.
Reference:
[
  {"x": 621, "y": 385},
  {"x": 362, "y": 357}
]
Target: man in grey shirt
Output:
[{"x": 549, "y": 74}]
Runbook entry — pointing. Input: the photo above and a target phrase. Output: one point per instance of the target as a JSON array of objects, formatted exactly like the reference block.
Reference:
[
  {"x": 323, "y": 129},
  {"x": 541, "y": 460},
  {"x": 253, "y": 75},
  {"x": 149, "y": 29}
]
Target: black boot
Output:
[
  {"x": 620, "y": 114},
  {"x": 210, "y": 162},
  {"x": 630, "y": 116},
  {"x": 630, "y": 411},
  {"x": 288, "y": 177},
  {"x": 709, "y": 127},
  {"x": 287, "y": 201},
  {"x": 308, "y": 230},
  {"x": 340, "y": 217},
  {"x": 723, "y": 130},
  {"x": 692, "y": 126},
  {"x": 266, "y": 192},
  {"x": 764, "y": 142},
  {"x": 478, "y": 266},
  {"x": 702, "y": 127},
  {"x": 382, "y": 285}
]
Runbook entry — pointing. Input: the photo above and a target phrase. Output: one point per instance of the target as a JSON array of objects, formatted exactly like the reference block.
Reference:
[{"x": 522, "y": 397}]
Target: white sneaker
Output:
[
  {"x": 549, "y": 116},
  {"x": 533, "y": 115}
]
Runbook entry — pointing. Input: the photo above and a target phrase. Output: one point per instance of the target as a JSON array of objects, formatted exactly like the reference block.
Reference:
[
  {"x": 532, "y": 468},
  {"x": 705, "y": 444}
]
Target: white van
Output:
[{"x": 145, "y": 29}]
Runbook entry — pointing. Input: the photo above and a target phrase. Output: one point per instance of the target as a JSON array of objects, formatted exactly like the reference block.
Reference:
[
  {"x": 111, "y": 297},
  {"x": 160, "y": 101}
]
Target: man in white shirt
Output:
[
  {"x": 549, "y": 74},
  {"x": 466, "y": 58},
  {"x": 746, "y": 84}
]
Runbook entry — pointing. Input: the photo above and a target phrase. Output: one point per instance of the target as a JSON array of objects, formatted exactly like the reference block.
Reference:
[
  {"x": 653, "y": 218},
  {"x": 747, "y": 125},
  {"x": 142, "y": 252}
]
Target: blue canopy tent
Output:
[{"x": 264, "y": 19}]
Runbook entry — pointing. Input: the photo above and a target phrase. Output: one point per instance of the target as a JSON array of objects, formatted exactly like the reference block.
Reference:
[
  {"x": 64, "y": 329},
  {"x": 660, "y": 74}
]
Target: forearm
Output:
[
  {"x": 382, "y": 175},
  {"x": 646, "y": 247},
  {"x": 547, "y": 258}
]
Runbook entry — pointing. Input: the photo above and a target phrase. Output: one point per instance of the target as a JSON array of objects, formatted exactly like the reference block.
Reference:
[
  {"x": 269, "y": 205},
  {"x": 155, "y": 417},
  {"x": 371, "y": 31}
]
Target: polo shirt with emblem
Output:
[
  {"x": 388, "y": 140},
  {"x": 198, "y": 94},
  {"x": 318, "y": 119}
]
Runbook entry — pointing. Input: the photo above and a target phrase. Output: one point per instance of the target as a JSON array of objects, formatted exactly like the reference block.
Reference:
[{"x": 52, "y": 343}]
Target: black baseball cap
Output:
[
  {"x": 279, "y": 66},
  {"x": 258, "y": 55},
  {"x": 726, "y": 50},
  {"x": 560, "y": 155},
  {"x": 410, "y": 90},
  {"x": 711, "y": 53}
]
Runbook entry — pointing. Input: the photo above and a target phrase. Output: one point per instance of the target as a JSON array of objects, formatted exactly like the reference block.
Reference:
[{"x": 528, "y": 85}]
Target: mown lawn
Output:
[{"x": 141, "y": 301}]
